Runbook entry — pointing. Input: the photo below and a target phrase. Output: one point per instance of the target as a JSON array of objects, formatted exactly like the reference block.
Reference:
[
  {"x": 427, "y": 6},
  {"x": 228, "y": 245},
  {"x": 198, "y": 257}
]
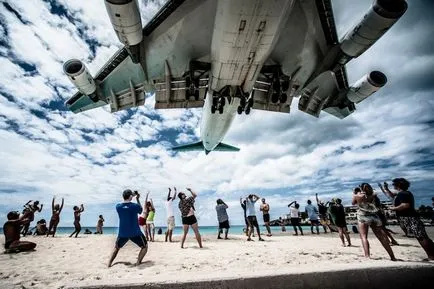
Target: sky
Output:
[{"x": 90, "y": 158}]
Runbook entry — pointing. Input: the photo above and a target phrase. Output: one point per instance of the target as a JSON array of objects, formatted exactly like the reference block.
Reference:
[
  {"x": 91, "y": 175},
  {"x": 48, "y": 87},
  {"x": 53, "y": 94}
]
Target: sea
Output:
[{"x": 204, "y": 230}]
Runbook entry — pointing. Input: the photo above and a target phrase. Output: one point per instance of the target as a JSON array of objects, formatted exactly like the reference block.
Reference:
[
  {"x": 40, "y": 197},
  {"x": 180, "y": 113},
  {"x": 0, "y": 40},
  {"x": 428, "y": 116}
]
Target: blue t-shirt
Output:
[
  {"x": 312, "y": 212},
  {"x": 128, "y": 219}
]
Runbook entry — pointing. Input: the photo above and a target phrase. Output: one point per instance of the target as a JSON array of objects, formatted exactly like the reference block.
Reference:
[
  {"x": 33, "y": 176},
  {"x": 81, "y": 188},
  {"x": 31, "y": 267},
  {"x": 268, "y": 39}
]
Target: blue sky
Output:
[{"x": 90, "y": 158}]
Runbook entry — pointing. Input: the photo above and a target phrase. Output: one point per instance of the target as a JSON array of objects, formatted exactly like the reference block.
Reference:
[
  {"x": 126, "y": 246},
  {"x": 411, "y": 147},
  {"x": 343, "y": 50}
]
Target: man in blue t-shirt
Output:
[
  {"x": 129, "y": 226},
  {"x": 312, "y": 213}
]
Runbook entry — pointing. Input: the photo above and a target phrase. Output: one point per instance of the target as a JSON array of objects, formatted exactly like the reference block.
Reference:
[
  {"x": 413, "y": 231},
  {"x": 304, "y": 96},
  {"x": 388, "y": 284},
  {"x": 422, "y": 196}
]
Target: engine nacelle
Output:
[
  {"x": 125, "y": 18},
  {"x": 80, "y": 76},
  {"x": 382, "y": 15},
  {"x": 366, "y": 86}
]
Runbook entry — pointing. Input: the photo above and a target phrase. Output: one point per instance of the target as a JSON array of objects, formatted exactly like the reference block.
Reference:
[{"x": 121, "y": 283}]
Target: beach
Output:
[{"x": 63, "y": 262}]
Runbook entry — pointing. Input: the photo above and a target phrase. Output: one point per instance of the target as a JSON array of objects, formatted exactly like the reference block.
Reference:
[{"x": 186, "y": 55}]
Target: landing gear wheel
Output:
[
  {"x": 285, "y": 85},
  {"x": 213, "y": 109},
  {"x": 221, "y": 109},
  {"x": 274, "y": 97},
  {"x": 196, "y": 95},
  {"x": 222, "y": 101},
  {"x": 187, "y": 94},
  {"x": 187, "y": 82},
  {"x": 283, "y": 98},
  {"x": 243, "y": 101},
  {"x": 240, "y": 109},
  {"x": 248, "y": 110},
  {"x": 250, "y": 102},
  {"x": 214, "y": 101}
]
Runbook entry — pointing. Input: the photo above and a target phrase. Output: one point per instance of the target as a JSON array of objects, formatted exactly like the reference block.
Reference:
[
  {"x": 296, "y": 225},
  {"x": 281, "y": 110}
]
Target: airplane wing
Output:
[{"x": 170, "y": 40}]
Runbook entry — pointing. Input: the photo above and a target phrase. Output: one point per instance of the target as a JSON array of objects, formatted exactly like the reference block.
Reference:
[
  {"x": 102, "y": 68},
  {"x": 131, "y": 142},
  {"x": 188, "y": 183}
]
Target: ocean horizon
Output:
[{"x": 204, "y": 230}]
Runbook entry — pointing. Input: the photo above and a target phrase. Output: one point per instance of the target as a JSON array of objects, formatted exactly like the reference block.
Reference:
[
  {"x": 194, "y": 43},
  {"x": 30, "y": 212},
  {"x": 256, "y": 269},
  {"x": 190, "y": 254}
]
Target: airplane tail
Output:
[{"x": 198, "y": 146}]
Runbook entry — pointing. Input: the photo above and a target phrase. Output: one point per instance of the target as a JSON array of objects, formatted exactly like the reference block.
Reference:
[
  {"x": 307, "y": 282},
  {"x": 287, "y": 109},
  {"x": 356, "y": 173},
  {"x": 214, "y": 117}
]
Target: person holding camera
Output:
[
  {"x": 295, "y": 217},
  {"x": 408, "y": 218},
  {"x": 129, "y": 226},
  {"x": 186, "y": 206},
  {"x": 251, "y": 216}
]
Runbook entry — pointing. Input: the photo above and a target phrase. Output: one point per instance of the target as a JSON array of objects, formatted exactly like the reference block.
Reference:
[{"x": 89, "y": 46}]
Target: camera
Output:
[{"x": 135, "y": 193}]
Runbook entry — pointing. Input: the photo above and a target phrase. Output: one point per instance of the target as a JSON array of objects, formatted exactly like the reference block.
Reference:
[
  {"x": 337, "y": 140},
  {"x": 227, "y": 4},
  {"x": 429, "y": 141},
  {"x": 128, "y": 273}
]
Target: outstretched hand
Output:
[{"x": 188, "y": 189}]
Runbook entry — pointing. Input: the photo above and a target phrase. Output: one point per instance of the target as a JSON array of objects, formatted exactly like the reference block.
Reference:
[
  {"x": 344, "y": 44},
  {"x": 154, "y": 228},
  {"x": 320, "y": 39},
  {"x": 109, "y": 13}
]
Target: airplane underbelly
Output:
[
  {"x": 245, "y": 32},
  {"x": 215, "y": 126}
]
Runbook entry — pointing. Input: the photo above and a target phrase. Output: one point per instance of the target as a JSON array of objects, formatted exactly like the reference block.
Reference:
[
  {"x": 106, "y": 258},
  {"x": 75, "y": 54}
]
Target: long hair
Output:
[{"x": 367, "y": 189}]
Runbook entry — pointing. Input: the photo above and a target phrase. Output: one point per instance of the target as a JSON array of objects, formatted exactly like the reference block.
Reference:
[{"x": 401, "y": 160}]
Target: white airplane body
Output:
[{"x": 231, "y": 56}]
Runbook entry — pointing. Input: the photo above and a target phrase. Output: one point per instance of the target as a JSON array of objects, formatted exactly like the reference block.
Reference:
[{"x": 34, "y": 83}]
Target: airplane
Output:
[{"x": 232, "y": 56}]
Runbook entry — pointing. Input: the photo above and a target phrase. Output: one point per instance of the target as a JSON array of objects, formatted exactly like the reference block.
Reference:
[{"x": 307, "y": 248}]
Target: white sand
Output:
[{"x": 63, "y": 262}]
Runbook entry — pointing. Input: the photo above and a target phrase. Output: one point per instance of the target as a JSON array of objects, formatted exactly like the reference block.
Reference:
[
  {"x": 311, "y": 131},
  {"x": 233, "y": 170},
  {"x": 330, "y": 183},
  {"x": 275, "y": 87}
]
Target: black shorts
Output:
[
  {"x": 314, "y": 222},
  {"x": 253, "y": 221},
  {"x": 190, "y": 220},
  {"x": 266, "y": 218},
  {"x": 138, "y": 240},
  {"x": 295, "y": 221},
  {"x": 224, "y": 225}
]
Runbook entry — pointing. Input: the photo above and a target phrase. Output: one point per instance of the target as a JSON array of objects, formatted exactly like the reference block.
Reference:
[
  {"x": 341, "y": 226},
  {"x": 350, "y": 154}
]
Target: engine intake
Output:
[
  {"x": 80, "y": 76},
  {"x": 366, "y": 86},
  {"x": 382, "y": 15}
]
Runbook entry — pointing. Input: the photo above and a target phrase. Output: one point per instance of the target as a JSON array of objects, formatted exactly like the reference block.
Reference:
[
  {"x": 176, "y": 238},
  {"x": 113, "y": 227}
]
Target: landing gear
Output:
[
  {"x": 218, "y": 103},
  {"x": 246, "y": 103},
  {"x": 191, "y": 88}
]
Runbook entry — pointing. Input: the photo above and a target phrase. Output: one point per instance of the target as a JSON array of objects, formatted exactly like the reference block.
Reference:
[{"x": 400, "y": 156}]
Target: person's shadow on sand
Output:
[{"x": 146, "y": 263}]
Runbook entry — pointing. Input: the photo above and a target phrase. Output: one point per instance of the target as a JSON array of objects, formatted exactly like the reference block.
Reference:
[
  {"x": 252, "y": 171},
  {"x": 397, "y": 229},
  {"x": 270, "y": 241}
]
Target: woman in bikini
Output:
[{"x": 55, "y": 217}]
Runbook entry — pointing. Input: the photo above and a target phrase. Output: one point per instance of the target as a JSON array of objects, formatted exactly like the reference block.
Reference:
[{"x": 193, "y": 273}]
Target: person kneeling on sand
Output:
[
  {"x": 11, "y": 230},
  {"x": 129, "y": 226},
  {"x": 186, "y": 206}
]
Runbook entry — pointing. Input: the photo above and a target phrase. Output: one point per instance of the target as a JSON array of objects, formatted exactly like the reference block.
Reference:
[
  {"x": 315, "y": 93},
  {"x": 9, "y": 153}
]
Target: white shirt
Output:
[
  {"x": 294, "y": 212},
  {"x": 169, "y": 208}
]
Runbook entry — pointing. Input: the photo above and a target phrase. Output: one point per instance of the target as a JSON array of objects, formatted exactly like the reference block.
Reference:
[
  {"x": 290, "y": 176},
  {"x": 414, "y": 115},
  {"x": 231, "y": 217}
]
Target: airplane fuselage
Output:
[{"x": 244, "y": 35}]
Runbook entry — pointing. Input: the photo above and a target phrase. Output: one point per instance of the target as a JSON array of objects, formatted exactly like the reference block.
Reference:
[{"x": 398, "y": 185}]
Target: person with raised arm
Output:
[
  {"x": 243, "y": 206},
  {"x": 367, "y": 216},
  {"x": 143, "y": 216},
  {"x": 77, "y": 215},
  {"x": 223, "y": 218},
  {"x": 11, "y": 231},
  {"x": 150, "y": 220},
  {"x": 408, "y": 218},
  {"x": 29, "y": 213},
  {"x": 295, "y": 217},
  {"x": 170, "y": 215},
  {"x": 251, "y": 216},
  {"x": 322, "y": 210},
  {"x": 186, "y": 206},
  {"x": 56, "y": 209},
  {"x": 129, "y": 229}
]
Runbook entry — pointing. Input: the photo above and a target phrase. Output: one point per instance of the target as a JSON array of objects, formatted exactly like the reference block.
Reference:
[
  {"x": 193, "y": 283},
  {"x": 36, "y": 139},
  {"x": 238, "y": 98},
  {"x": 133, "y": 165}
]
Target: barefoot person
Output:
[
  {"x": 143, "y": 216},
  {"x": 383, "y": 219},
  {"x": 403, "y": 205},
  {"x": 11, "y": 230},
  {"x": 223, "y": 218},
  {"x": 150, "y": 227},
  {"x": 338, "y": 218},
  {"x": 29, "y": 213},
  {"x": 99, "y": 225},
  {"x": 251, "y": 216},
  {"x": 129, "y": 226},
  {"x": 243, "y": 206},
  {"x": 312, "y": 213},
  {"x": 55, "y": 217},
  {"x": 186, "y": 206},
  {"x": 265, "y": 208},
  {"x": 170, "y": 215},
  {"x": 295, "y": 217},
  {"x": 322, "y": 210},
  {"x": 77, "y": 214},
  {"x": 367, "y": 216}
]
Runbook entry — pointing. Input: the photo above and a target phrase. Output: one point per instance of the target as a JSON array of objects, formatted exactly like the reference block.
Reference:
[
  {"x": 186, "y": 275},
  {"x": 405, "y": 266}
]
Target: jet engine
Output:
[
  {"x": 382, "y": 15},
  {"x": 80, "y": 76},
  {"x": 125, "y": 18},
  {"x": 366, "y": 86}
]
